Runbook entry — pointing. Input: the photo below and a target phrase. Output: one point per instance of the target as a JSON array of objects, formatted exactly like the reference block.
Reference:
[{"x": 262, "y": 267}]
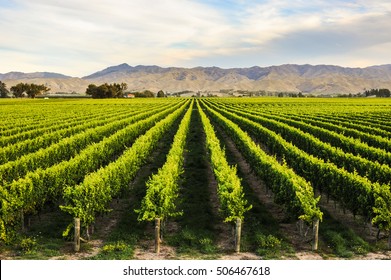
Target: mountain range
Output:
[{"x": 285, "y": 78}]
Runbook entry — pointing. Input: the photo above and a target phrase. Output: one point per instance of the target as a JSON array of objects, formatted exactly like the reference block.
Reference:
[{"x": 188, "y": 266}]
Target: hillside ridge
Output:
[{"x": 304, "y": 78}]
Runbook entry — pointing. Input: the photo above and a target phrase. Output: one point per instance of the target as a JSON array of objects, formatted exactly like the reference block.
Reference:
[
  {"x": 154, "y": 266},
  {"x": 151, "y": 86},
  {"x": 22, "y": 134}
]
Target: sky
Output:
[{"x": 78, "y": 38}]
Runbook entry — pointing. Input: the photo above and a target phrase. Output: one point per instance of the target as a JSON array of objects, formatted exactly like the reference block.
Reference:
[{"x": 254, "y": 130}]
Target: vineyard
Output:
[{"x": 203, "y": 178}]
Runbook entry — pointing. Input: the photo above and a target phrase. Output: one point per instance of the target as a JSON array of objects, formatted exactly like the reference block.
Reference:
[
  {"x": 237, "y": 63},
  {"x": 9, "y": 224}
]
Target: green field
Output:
[{"x": 273, "y": 178}]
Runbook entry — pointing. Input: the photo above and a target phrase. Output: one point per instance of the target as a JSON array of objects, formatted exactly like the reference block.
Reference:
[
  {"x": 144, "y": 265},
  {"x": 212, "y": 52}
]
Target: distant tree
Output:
[
  {"x": 103, "y": 91},
  {"x": 124, "y": 86},
  {"x": 145, "y": 93},
  {"x": 160, "y": 94},
  {"x": 19, "y": 89},
  {"x": 32, "y": 90},
  {"x": 91, "y": 90},
  {"x": 3, "y": 90},
  {"x": 383, "y": 92},
  {"x": 118, "y": 90},
  {"x": 149, "y": 93},
  {"x": 106, "y": 90}
]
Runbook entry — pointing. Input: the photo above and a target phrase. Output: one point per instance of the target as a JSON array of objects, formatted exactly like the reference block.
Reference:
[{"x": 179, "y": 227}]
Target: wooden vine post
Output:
[
  {"x": 301, "y": 227},
  {"x": 238, "y": 234},
  {"x": 316, "y": 235},
  {"x": 389, "y": 240},
  {"x": 157, "y": 235},
  {"x": 22, "y": 219},
  {"x": 77, "y": 235}
]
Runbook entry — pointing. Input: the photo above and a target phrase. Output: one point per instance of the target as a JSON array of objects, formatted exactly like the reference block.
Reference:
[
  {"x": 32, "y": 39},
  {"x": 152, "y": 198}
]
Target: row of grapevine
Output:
[
  {"x": 28, "y": 132},
  {"x": 378, "y": 141},
  {"x": 80, "y": 154},
  {"x": 361, "y": 119},
  {"x": 233, "y": 205},
  {"x": 97, "y": 189},
  {"x": 358, "y": 120},
  {"x": 28, "y": 194},
  {"x": 355, "y": 193},
  {"x": 348, "y": 144},
  {"x": 375, "y": 171},
  {"x": 68, "y": 147},
  {"x": 18, "y": 122},
  {"x": 21, "y": 131},
  {"x": 162, "y": 189},
  {"x": 330, "y": 122},
  {"x": 13, "y": 151},
  {"x": 35, "y": 120},
  {"x": 289, "y": 189},
  {"x": 366, "y": 137}
]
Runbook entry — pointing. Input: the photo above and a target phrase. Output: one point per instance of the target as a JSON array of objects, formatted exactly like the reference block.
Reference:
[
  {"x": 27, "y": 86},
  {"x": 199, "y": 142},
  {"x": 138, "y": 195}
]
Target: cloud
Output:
[
  {"x": 77, "y": 37},
  {"x": 274, "y": 19},
  {"x": 136, "y": 31},
  {"x": 347, "y": 33}
]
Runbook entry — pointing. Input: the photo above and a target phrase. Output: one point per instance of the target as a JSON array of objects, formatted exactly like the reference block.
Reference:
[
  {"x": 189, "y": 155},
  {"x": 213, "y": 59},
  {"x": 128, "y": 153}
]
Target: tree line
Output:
[
  {"x": 383, "y": 92},
  {"x": 102, "y": 91},
  {"x": 31, "y": 90},
  {"x": 106, "y": 90},
  {"x": 117, "y": 91}
]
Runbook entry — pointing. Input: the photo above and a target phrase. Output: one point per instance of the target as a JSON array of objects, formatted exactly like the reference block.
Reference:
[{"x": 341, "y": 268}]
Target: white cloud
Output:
[
  {"x": 135, "y": 31},
  {"x": 78, "y": 37}
]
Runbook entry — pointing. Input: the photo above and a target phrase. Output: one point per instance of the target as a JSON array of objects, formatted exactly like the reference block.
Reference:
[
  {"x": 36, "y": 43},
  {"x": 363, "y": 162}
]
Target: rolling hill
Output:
[{"x": 288, "y": 78}]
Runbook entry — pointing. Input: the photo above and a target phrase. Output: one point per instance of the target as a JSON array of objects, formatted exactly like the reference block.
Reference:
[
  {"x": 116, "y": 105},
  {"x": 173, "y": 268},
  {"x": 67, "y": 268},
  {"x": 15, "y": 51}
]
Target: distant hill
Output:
[
  {"x": 35, "y": 75},
  {"x": 287, "y": 78}
]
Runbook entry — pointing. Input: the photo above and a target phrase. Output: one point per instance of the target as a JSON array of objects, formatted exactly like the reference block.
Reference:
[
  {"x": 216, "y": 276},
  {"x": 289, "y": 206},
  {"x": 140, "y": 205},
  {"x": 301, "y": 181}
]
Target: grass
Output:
[
  {"x": 121, "y": 242},
  {"x": 261, "y": 233},
  {"x": 43, "y": 239},
  {"x": 195, "y": 244},
  {"x": 340, "y": 240}
]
